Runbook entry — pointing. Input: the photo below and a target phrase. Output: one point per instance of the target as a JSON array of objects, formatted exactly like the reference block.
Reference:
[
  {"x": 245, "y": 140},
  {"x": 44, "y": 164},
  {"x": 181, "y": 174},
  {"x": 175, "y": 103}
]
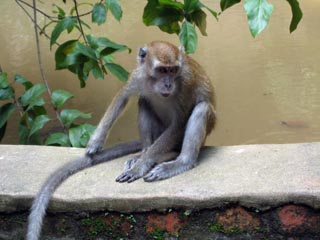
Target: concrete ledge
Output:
[{"x": 259, "y": 176}]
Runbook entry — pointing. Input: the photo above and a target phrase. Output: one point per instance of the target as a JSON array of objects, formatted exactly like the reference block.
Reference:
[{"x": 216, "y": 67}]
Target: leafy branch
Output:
[
  {"x": 93, "y": 55},
  {"x": 179, "y": 18}
]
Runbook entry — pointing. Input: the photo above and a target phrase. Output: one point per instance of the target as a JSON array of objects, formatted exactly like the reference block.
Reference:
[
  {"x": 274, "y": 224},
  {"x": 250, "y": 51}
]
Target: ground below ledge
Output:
[{"x": 236, "y": 192}]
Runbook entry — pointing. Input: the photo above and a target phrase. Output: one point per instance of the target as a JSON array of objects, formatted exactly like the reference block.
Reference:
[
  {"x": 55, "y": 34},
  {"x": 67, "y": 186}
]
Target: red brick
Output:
[
  {"x": 117, "y": 223},
  {"x": 295, "y": 218},
  {"x": 165, "y": 222},
  {"x": 237, "y": 218}
]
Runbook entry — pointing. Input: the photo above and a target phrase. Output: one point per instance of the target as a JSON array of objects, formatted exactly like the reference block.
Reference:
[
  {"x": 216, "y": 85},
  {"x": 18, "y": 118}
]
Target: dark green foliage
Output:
[
  {"x": 91, "y": 54},
  {"x": 99, "y": 13},
  {"x": 224, "y": 4},
  {"x": 296, "y": 14},
  {"x": 32, "y": 108},
  {"x": 182, "y": 18},
  {"x": 94, "y": 58},
  {"x": 179, "y": 18}
]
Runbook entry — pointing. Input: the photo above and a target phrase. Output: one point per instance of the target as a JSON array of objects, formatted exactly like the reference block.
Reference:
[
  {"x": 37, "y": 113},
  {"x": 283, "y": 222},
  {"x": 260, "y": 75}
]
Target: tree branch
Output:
[
  {"x": 80, "y": 24},
  {"x": 30, "y": 17},
  {"x": 40, "y": 62}
]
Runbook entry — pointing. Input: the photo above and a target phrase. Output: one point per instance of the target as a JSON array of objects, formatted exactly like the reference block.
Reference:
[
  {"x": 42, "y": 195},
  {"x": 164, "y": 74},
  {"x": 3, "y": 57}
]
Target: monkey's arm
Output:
[
  {"x": 199, "y": 124},
  {"x": 118, "y": 103}
]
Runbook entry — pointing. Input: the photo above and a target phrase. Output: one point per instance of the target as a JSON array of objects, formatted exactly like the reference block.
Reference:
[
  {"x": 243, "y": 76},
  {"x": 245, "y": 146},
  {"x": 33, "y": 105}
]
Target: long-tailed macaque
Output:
[{"x": 176, "y": 113}]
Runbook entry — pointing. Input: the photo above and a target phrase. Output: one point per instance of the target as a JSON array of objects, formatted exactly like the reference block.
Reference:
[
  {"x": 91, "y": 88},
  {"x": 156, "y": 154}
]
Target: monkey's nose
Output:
[{"x": 168, "y": 85}]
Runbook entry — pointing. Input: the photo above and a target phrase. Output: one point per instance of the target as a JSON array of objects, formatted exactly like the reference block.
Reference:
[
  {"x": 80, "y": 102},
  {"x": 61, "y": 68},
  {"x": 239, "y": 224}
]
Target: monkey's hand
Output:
[{"x": 94, "y": 146}]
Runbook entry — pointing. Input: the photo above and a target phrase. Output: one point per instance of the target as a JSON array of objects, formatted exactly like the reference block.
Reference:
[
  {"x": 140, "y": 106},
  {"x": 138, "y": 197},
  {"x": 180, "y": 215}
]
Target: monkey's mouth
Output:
[{"x": 165, "y": 94}]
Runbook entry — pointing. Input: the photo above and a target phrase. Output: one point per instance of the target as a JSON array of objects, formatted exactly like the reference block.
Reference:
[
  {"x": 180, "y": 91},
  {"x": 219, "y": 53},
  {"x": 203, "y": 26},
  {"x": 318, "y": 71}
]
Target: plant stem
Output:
[
  {"x": 38, "y": 10},
  {"x": 40, "y": 63},
  {"x": 80, "y": 24},
  {"x": 47, "y": 15},
  {"x": 28, "y": 14}
]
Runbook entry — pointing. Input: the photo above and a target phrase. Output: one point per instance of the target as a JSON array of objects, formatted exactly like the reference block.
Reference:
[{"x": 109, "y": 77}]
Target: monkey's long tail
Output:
[{"x": 42, "y": 199}]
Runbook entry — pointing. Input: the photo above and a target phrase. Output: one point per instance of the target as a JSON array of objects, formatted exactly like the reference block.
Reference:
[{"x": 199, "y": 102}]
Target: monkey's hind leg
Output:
[{"x": 195, "y": 134}]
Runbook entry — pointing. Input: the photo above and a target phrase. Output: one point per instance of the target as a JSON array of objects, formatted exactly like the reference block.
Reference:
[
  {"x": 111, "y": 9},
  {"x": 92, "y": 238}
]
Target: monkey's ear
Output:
[
  {"x": 181, "y": 54},
  {"x": 181, "y": 50},
  {"x": 142, "y": 54}
]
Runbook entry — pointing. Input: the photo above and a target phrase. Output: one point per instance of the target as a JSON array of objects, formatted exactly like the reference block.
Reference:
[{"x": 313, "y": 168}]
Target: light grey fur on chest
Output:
[{"x": 164, "y": 109}]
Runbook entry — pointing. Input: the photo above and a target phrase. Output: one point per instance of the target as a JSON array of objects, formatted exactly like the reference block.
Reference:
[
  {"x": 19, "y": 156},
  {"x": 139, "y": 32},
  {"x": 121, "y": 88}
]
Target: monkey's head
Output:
[{"x": 162, "y": 63}]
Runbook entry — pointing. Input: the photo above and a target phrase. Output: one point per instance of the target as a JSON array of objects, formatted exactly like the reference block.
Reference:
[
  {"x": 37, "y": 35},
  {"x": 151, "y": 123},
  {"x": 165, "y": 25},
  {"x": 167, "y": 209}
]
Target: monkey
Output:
[{"x": 176, "y": 112}]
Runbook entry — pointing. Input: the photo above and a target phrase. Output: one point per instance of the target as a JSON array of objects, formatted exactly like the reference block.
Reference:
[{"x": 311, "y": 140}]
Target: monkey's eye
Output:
[
  {"x": 174, "y": 70},
  {"x": 162, "y": 70}
]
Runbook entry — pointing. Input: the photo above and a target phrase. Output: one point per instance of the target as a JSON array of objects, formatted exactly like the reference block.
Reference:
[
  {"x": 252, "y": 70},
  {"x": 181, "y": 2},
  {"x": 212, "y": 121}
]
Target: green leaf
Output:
[
  {"x": 85, "y": 24},
  {"x": 173, "y": 4},
  {"x": 296, "y": 14},
  {"x": 6, "y": 93},
  {"x": 93, "y": 66},
  {"x": 32, "y": 95},
  {"x": 224, "y": 4},
  {"x": 191, "y": 5},
  {"x": 58, "y": 139},
  {"x": 199, "y": 18},
  {"x": 79, "y": 136},
  {"x": 69, "y": 115},
  {"x": 3, "y": 131},
  {"x": 59, "y": 97},
  {"x": 38, "y": 124},
  {"x": 213, "y": 13},
  {"x": 118, "y": 71},
  {"x": 25, "y": 82},
  {"x": 67, "y": 23},
  {"x": 188, "y": 37},
  {"x": 38, "y": 102},
  {"x": 174, "y": 27},
  {"x": 85, "y": 50},
  {"x": 258, "y": 13},
  {"x": 160, "y": 15},
  {"x": 114, "y": 48},
  {"x": 23, "y": 130},
  {"x": 78, "y": 69},
  {"x": 99, "y": 13},
  {"x": 3, "y": 80},
  {"x": 66, "y": 55},
  {"x": 61, "y": 12},
  {"x": 115, "y": 8},
  {"x": 105, "y": 46},
  {"x": 38, "y": 110},
  {"x": 5, "y": 112}
]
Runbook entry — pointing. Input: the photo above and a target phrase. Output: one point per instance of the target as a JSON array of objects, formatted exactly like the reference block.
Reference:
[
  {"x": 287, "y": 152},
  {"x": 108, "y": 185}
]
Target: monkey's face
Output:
[
  {"x": 161, "y": 63},
  {"x": 163, "y": 80}
]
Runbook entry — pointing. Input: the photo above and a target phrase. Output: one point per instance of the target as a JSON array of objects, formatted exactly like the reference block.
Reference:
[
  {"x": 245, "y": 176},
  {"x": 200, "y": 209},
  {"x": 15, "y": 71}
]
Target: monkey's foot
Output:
[
  {"x": 128, "y": 176},
  {"x": 130, "y": 163},
  {"x": 167, "y": 170}
]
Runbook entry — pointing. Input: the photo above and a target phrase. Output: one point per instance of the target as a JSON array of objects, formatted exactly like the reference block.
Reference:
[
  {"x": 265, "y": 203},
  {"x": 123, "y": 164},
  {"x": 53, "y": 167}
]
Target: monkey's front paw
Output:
[
  {"x": 128, "y": 176},
  {"x": 93, "y": 149}
]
